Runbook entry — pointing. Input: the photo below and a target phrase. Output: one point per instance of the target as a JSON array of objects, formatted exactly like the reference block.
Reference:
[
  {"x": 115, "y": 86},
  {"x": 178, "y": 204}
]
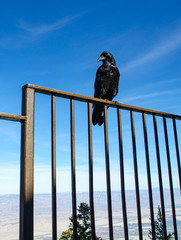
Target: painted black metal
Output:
[
  {"x": 109, "y": 202},
  {"x": 148, "y": 176},
  {"x": 177, "y": 151},
  {"x": 74, "y": 200},
  {"x": 170, "y": 179},
  {"x": 91, "y": 187},
  {"x": 123, "y": 196},
  {"x": 53, "y": 149},
  {"x": 160, "y": 176},
  {"x": 136, "y": 176}
]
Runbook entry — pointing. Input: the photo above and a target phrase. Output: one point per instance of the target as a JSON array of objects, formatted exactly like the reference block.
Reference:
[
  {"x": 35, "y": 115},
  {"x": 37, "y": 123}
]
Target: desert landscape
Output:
[{"x": 9, "y": 212}]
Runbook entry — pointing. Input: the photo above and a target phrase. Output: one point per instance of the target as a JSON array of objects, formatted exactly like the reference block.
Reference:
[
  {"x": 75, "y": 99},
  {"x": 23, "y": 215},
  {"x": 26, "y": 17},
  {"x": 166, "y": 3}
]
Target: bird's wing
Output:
[
  {"x": 106, "y": 83},
  {"x": 115, "y": 81},
  {"x": 97, "y": 84}
]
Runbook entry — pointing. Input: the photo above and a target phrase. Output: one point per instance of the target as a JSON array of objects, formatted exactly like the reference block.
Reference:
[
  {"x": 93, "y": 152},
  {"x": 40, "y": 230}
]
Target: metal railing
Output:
[{"x": 27, "y": 162}]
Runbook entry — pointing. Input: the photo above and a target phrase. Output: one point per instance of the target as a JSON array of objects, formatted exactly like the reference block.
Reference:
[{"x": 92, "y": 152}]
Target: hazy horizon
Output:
[{"x": 9, "y": 212}]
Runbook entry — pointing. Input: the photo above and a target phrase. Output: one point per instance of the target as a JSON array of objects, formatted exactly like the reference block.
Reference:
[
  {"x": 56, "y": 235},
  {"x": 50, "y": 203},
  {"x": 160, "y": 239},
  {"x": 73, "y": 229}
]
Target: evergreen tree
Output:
[
  {"x": 159, "y": 227},
  {"x": 83, "y": 225}
]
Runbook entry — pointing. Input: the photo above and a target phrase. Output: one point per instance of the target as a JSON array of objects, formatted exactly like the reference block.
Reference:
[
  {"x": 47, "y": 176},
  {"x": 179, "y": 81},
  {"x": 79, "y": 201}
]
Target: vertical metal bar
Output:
[
  {"x": 27, "y": 166},
  {"x": 54, "y": 195},
  {"x": 74, "y": 204},
  {"x": 126, "y": 236},
  {"x": 177, "y": 151},
  {"x": 160, "y": 177},
  {"x": 136, "y": 176},
  {"x": 170, "y": 179},
  {"x": 108, "y": 175},
  {"x": 148, "y": 176},
  {"x": 91, "y": 187}
]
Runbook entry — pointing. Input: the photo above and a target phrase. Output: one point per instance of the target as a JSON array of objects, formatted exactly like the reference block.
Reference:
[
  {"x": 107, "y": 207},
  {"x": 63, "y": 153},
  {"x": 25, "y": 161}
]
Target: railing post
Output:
[
  {"x": 108, "y": 178},
  {"x": 177, "y": 151},
  {"x": 123, "y": 195},
  {"x": 27, "y": 166},
  {"x": 136, "y": 176},
  {"x": 160, "y": 176},
  {"x": 91, "y": 182},
  {"x": 74, "y": 200},
  {"x": 148, "y": 176},
  {"x": 170, "y": 178},
  {"x": 54, "y": 187}
]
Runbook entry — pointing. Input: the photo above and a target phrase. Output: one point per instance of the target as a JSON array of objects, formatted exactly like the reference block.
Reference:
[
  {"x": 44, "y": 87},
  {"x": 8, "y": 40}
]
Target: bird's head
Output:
[{"x": 107, "y": 57}]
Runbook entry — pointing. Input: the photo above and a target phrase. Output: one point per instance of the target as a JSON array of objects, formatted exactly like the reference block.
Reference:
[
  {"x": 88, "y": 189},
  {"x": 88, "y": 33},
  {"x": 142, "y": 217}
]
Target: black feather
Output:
[{"x": 105, "y": 86}]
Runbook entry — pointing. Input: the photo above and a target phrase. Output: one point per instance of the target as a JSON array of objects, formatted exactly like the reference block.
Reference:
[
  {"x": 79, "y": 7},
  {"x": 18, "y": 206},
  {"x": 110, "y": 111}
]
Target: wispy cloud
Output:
[
  {"x": 149, "y": 95},
  {"x": 165, "y": 46},
  {"x": 38, "y": 30},
  {"x": 28, "y": 33},
  {"x": 159, "y": 84}
]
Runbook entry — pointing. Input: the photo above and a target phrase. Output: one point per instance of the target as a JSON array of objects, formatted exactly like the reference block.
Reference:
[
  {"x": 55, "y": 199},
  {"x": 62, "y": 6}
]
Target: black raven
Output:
[{"x": 105, "y": 86}]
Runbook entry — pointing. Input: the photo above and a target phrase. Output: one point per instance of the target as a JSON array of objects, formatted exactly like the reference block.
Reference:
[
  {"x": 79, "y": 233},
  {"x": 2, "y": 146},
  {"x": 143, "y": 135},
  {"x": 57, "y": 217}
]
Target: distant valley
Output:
[{"x": 9, "y": 213}]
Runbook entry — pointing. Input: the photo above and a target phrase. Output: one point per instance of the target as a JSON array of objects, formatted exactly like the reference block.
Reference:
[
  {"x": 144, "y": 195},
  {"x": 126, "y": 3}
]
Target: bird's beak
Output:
[{"x": 101, "y": 58}]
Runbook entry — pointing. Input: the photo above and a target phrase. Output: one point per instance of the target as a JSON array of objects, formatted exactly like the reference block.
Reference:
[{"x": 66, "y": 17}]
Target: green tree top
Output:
[
  {"x": 83, "y": 225},
  {"x": 159, "y": 232}
]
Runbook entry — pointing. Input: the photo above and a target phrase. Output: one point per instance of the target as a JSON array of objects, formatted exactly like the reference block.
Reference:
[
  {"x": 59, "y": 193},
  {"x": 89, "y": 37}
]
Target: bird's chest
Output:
[
  {"x": 107, "y": 78},
  {"x": 106, "y": 86}
]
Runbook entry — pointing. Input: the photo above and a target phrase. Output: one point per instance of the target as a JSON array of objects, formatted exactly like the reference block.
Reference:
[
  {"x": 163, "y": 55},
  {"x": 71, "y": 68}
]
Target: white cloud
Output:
[
  {"x": 45, "y": 28},
  {"x": 143, "y": 96},
  {"x": 150, "y": 95},
  {"x": 30, "y": 33},
  {"x": 168, "y": 44}
]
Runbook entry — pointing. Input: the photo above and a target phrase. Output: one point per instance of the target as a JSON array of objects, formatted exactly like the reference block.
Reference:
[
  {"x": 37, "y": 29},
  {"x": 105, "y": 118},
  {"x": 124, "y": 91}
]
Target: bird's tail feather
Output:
[{"x": 98, "y": 115}]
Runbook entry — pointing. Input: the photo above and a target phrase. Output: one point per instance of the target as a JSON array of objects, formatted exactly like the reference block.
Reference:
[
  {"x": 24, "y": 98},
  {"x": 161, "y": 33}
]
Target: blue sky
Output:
[{"x": 57, "y": 44}]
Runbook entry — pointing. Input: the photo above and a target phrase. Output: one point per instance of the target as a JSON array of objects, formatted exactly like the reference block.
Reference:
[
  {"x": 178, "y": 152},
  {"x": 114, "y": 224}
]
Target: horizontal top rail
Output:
[
  {"x": 59, "y": 93},
  {"x": 12, "y": 117}
]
